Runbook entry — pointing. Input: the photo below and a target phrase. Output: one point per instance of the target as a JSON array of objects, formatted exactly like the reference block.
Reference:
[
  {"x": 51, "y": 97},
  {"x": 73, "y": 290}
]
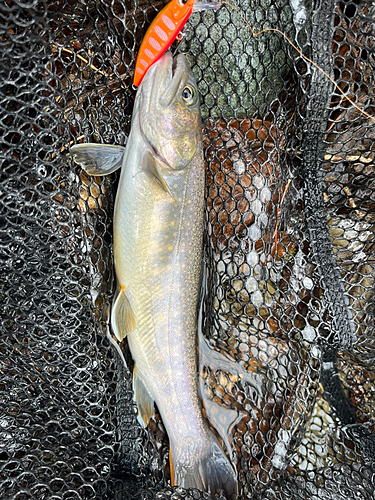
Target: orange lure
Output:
[{"x": 163, "y": 31}]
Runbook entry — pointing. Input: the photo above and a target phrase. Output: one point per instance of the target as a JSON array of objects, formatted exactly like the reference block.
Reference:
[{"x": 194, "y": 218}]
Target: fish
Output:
[
  {"x": 158, "y": 242},
  {"x": 163, "y": 31}
]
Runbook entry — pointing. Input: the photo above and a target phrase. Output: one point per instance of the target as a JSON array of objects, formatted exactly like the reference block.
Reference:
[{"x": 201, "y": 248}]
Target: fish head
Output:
[{"x": 169, "y": 113}]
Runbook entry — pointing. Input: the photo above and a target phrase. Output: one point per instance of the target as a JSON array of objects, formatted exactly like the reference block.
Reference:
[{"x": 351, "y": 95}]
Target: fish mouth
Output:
[
  {"x": 176, "y": 71},
  {"x": 174, "y": 66},
  {"x": 162, "y": 81},
  {"x": 168, "y": 67}
]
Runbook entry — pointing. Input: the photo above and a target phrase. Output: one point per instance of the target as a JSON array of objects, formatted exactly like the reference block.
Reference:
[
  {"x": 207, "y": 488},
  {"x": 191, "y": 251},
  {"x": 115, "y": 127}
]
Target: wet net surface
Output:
[{"x": 289, "y": 266}]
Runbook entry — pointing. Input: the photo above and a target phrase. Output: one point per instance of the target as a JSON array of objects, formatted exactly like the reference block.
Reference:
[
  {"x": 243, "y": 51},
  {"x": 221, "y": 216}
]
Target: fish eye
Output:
[
  {"x": 182, "y": 2},
  {"x": 189, "y": 94}
]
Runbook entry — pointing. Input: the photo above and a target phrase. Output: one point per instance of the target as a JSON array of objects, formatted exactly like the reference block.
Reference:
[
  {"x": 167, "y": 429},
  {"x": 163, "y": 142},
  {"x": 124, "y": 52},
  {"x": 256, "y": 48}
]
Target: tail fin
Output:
[{"x": 206, "y": 468}]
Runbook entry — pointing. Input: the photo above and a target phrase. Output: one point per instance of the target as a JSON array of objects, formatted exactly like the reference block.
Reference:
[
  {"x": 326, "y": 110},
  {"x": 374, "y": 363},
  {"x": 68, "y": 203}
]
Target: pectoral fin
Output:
[
  {"x": 156, "y": 172},
  {"x": 122, "y": 317},
  {"x": 98, "y": 159},
  {"x": 144, "y": 401}
]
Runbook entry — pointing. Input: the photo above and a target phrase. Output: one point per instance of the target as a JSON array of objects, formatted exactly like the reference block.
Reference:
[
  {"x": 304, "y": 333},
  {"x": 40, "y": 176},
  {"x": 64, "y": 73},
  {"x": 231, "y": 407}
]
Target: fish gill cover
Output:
[{"x": 284, "y": 150}]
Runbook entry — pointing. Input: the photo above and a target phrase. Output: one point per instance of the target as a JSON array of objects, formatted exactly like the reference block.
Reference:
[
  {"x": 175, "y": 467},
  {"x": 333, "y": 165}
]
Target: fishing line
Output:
[{"x": 224, "y": 2}]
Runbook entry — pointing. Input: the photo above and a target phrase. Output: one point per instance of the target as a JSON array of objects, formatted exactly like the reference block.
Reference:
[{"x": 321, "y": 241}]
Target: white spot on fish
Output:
[
  {"x": 140, "y": 71},
  {"x": 144, "y": 63},
  {"x": 161, "y": 33},
  {"x": 154, "y": 43},
  {"x": 149, "y": 54},
  {"x": 168, "y": 22}
]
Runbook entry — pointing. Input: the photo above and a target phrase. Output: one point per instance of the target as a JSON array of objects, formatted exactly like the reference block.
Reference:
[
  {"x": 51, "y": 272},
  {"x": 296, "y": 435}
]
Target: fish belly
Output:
[{"x": 158, "y": 252}]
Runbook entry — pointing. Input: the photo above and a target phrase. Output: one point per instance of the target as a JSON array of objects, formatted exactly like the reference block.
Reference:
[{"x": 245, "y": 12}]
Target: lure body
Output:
[{"x": 161, "y": 34}]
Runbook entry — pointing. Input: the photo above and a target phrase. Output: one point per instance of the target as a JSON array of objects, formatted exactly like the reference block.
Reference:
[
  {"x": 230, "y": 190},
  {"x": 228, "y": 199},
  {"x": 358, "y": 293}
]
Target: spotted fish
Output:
[{"x": 158, "y": 229}]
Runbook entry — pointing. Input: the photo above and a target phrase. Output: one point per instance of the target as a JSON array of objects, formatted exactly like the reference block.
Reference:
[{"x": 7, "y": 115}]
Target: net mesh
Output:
[{"x": 289, "y": 266}]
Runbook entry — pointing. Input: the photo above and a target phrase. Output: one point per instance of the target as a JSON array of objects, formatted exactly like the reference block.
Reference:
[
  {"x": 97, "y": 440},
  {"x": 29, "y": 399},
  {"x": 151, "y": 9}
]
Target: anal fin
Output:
[
  {"x": 142, "y": 397},
  {"x": 122, "y": 317}
]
